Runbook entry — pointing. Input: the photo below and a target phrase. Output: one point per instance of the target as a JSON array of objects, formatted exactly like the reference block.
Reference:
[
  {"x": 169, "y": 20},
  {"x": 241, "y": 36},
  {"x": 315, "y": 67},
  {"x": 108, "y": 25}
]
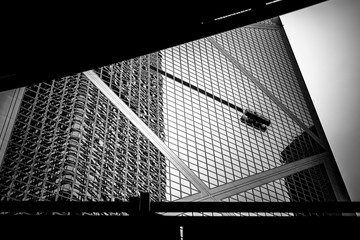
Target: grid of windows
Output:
[
  {"x": 311, "y": 185},
  {"x": 71, "y": 143},
  {"x": 301, "y": 147},
  {"x": 177, "y": 186},
  {"x": 263, "y": 53},
  {"x": 139, "y": 87},
  {"x": 204, "y": 136},
  {"x": 207, "y": 134}
]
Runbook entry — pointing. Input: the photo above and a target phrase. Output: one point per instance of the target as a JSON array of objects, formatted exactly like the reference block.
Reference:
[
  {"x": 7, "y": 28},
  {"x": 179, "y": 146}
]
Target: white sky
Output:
[{"x": 326, "y": 41}]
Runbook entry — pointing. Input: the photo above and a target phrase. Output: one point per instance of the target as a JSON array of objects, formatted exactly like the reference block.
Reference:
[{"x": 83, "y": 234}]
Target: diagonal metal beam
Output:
[
  {"x": 251, "y": 77},
  {"x": 259, "y": 179},
  {"x": 174, "y": 159}
]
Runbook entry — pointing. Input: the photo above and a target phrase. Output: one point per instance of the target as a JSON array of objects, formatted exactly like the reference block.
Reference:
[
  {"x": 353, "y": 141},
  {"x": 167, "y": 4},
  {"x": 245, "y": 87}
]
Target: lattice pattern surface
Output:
[
  {"x": 70, "y": 142},
  {"x": 310, "y": 185}
]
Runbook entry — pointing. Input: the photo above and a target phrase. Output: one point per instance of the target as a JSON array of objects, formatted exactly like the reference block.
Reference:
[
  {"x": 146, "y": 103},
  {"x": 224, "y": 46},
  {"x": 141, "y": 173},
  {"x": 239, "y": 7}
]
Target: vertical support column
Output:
[
  {"x": 145, "y": 203},
  {"x": 140, "y": 205}
]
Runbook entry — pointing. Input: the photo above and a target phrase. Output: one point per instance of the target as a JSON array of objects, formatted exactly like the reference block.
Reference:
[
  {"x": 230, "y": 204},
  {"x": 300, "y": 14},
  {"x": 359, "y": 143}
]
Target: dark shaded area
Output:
[
  {"x": 97, "y": 227},
  {"x": 41, "y": 42},
  {"x": 312, "y": 185},
  {"x": 302, "y": 146},
  {"x": 269, "y": 227},
  {"x": 143, "y": 207},
  {"x": 144, "y": 223}
]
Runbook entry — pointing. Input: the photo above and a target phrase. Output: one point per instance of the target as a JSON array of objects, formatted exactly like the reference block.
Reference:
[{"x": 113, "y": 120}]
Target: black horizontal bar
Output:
[
  {"x": 31, "y": 206},
  {"x": 106, "y": 227},
  {"x": 303, "y": 207},
  {"x": 202, "y": 91}
]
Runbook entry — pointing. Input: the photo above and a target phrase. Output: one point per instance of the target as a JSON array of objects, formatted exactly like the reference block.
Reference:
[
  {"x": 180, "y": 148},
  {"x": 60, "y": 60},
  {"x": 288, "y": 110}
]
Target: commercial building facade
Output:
[{"x": 224, "y": 118}]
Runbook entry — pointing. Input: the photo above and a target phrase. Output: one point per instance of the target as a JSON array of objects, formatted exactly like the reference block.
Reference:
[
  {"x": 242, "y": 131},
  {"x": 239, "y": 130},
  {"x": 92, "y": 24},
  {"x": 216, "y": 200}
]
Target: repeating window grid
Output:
[
  {"x": 190, "y": 56},
  {"x": 212, "y": 68},
  {"x": 75, "y": 137},
  {"x": 141, "y": 174},
  {"x": 181, "y": 122},
  {"x": 208, "y": 74},
  {"x": 177, "y": 186},
  {"x": 218, "y": 75},
  {"x": 249, "y": 98},
  {"x": 286, "y": 123},
  {"x": 293, "y": 88},
  {"x": 51, "y": 170},
  {"x": 212, "y": 131},
  {"x": 233, "y": 93},
  {"x": 139, "y": 87},
  {"x": 289, "y": 83},
  {"x": 192, "y": 63},
  {"x": 181, "y": 74},
  {"x": 136, "y": 88},
  {"x": 202, "y": 73},
  {"x": 219, "y": 153},
  {"x": 59, "y": 138},
  {"x": 96, "y": 149},
  {"x": 201, "y": 150},
  {"x": 222, "y": 80},
  {"x": 97, "y": 139},
  {"x": 310, "y": 185},
  {"x": 36, "y": 129},
  {"x": 191, "y": 137},
  {"x": 202, "y": 65},
  {"x": 224, "y": 130},
  {"x": 212, "y": 144},
  {"x": 271, "y": 192},
  {"x": 211, "y": 78},
  {"x": 200, "y": 82},
  {"x": 66, "y": 112},
  {"x": 170, "y": 114},
  {"x": 253, "y": 54},
  {"x": 290, "y": 129},
  {"x": 252, "y": 161},
  {"x": 215, "y": 84}
]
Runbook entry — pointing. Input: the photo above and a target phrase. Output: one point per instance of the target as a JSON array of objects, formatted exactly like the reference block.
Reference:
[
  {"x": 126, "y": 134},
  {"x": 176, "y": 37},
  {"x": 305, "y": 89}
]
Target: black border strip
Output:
[{"x": 133, "y": 206}]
